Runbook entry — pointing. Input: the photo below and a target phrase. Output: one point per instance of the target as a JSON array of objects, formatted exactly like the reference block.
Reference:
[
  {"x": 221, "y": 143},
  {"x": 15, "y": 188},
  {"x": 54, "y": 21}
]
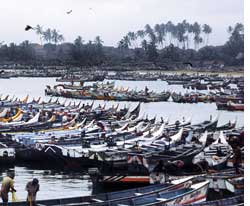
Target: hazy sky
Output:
[{"x": 112, "y": 19}]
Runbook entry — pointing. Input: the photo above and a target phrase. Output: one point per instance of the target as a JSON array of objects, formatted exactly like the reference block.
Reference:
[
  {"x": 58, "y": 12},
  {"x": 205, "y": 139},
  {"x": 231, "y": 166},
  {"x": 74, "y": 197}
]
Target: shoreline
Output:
[{"x": 53, "y": 71}]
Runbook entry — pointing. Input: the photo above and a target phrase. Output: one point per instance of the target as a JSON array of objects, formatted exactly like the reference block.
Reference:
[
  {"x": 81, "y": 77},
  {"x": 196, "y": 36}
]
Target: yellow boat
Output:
[{"x": 9, "y": 119}]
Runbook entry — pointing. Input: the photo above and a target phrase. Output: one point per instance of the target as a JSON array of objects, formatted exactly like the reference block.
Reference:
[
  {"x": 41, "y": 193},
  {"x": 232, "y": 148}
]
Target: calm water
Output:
[
  {"x": 20, "y": 87},
  {"x": 59, "y": 184},
  {"x": 53, "y": 184}
]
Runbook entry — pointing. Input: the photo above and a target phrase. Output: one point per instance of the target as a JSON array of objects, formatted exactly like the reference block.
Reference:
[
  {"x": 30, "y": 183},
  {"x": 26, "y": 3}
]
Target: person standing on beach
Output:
[
  {"x": 7, "y": 186},
  {"x": 32, "y": 188}
]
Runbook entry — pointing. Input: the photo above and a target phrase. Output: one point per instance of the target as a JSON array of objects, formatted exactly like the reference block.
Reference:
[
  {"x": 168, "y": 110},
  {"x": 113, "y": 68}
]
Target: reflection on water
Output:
[{"x": 53, "y": 184}]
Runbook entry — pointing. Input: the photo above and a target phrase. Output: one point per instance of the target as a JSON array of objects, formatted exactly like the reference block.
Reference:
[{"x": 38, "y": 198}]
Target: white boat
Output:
[{"x": 216, "y": 154}]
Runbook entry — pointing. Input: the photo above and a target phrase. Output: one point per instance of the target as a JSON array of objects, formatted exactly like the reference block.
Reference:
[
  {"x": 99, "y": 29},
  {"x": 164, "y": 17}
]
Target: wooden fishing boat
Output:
[
  {"x": 3, "y": 112},
  {"x": 179, "y": 124},
  {"x": 177, "y": 97},
  {"x": 226, "y": 180},
  {"x": 237, "y": 200},
  {"x": 196, "y": 193},
  {"x": 235, "y": 185},
  {"x": 216, "y": 154},
  {"x": 18, "y": 123},
  {"x": 9, "y": 119},
  {"x": 235, "y": 107},
  {"x": 114, "y": 198},
  {"x": 228, "y": 126},
  {"x": 31, "y": 125},
  {"x": 230, "y": 106},
  {"x": 13, "y": 102},
  {"x": 173, "y": 155},
  {"x": 106, "y": 92},
  {"x": 221, "y": 106},
  {"x": 177, "y": 82},
  {"x": 7, "y": 155},
  {"x": 206, "y": 125},
  {"x": 143, "y": 155}
]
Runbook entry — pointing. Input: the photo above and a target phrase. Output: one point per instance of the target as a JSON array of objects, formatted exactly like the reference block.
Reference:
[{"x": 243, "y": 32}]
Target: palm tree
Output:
[
  {"x": 230, "y": 29},
  {"x": 126, "y": 41},
  {"x": 159, "y": 30},
  {"x": 150, "y": 32},
  {"x": 39, "y": 32},
  {"x": 239, "y": 28},
  {"x": 168, "y": 28},
  {"x": 47, "y": 35},
  {"x": 132, "y": 38},
  {"x": 207, "y": 30},
  {"x": 197, "y": 31},
  {"x": 190, "y": 31},
  {"x": 180, "y": 31},
  {"x": 123, "y": 44},
  {"x": 144, "y": 44},
  {"x": 98, "y": 41},
  {"x": 60, "y": 38},
  {"x": 174, "y": 34},
  {"x": 163, "y": 33},
  {"x": 120, "y": 44},
  {"x": 185, "y": 25},
  {"x": 197, "y": 41},
  {"x": 140, "y": 33},
  {"x": 54, "y": 36},
  {"x": 78, "y": 41},
  {"x": 148, "y": 29}
]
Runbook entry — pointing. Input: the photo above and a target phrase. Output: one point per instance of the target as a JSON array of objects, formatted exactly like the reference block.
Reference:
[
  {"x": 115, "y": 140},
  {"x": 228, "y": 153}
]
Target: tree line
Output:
[
  {"x": 168, "y": 43},
  {"x": 162, "y": 35},
  {"x": 49, "y": 35}
]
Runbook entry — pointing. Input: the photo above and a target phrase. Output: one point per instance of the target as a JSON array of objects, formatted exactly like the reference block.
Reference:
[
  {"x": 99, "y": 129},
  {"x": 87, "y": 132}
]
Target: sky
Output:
[{"x": 112, "y": 19}]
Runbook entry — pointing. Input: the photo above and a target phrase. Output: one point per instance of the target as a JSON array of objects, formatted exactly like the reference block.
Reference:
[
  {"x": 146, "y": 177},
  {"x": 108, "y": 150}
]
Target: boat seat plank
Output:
[
  {"x": 138, "y": 194},
  {"x": 96, "y": 200},
  {"x": 71, "y": 204},
  {"x": 161, "y": 199}
]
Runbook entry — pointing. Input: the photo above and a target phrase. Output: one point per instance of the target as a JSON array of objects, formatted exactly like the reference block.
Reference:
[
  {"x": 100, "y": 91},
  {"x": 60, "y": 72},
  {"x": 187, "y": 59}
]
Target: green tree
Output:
[
  {"x": 159, "y": 29},
  {"x": 234, "y": 48},
  {"x": 47, "y": 35},
  {"x": 78, "y": 41},
  {"x": 197, "y": 32},
  {"x": 144, "y": 44},
  {"x": 168, "y": 30},
  {"x": 207, "y": 30},
  {"x": 140, "y": 33},
  {"x": 180, "y": 31},
  {"x": 150, "y": 33},
  {"x": 190, "y": 34},
  {"x": 60, "y": 38},
  {"x": 150, "y": 50},
  {"x": 132, "y": 38},
  {"x": 26, "y": 51},
  {"x": 54, "y": 36},
  {"x": 39, "y": 32},
  {"x": 98, "y": 41}
]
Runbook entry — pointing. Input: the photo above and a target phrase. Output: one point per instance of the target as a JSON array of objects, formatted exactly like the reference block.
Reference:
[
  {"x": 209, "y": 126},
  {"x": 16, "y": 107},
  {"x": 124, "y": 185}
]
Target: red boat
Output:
[{"x": 235, "y": 107}]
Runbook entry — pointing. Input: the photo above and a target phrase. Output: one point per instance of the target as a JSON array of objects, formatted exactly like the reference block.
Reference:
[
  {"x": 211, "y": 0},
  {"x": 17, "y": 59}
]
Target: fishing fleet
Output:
[{"x": 119, "y": 145}]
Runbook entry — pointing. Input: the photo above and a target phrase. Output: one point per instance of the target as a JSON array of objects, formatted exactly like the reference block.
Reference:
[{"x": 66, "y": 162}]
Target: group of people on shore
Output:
[{"x": 32, "y": 187}]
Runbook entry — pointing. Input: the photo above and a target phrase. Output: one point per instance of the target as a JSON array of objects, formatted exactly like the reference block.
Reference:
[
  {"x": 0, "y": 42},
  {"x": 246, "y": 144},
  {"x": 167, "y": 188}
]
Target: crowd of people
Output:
[{"x": 32, "y": 187}]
